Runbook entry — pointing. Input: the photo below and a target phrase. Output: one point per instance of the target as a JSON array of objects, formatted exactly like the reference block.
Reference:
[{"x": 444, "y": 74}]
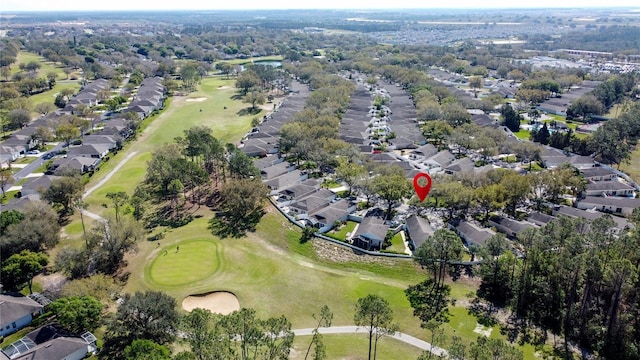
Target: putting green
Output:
[{"x": 195, "y": 260}]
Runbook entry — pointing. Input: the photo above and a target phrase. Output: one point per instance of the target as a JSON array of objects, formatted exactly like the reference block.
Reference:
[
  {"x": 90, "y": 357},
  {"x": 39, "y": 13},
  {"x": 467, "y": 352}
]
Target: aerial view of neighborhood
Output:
[{"x": 344, "y": 184}]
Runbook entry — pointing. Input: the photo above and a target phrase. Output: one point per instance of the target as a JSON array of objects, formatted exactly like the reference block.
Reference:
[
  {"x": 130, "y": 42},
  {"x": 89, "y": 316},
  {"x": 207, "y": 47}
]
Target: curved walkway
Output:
[
  {"x": 109, "y": 175},
  {"x": 408, "y": 339},
  {"x": 102, "y": 182}
]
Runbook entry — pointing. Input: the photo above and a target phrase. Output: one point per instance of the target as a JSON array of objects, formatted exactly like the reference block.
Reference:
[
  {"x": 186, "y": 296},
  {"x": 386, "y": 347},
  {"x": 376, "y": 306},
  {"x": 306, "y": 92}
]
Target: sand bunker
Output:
[
  {"x": 220, "y": 302},
  {"x": 224, "y": 87},
  {"x": 200, "y": 99}
]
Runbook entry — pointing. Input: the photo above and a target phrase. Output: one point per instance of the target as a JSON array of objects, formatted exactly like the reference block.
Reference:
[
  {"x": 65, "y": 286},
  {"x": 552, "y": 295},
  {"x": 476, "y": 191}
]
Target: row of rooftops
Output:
[{"x": 87, "y": 156}]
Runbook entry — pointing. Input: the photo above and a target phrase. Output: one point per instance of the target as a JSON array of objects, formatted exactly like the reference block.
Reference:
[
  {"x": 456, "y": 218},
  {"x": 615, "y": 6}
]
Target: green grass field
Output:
[
  {"x": 50, "y": 96},
  {"x": 192, "y": 261},
  {"x": 250, "y": 60},
  {"x": 355, "y": 347},
  {"x": 397, "y": 245},
  {"x": 47, "y": 66}
]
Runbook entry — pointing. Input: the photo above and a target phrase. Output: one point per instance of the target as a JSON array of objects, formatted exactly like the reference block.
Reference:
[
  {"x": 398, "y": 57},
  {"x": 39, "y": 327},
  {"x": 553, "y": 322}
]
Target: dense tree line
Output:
[{"x": 575, "y": 278}]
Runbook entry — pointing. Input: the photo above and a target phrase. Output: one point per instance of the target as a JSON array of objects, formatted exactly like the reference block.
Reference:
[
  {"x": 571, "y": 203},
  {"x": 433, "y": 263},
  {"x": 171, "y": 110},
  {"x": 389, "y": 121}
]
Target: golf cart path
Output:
[
  {"x": 408, "y": 339},
  {"x": 102, "y": 182}
]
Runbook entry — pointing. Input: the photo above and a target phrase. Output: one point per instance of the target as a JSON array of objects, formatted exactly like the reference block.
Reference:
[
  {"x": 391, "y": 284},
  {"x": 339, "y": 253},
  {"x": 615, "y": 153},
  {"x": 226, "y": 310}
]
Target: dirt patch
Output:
[
  {"x": 340, "y": 254},
  {"x": 221, "y": 302},
  {"x": 200, "y": 99}
]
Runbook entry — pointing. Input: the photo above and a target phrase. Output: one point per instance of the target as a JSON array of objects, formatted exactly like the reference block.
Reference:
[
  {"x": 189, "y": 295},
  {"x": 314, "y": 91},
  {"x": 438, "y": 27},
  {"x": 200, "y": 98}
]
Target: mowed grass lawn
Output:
[
  {"x": 50, "y": 96},
  {"x": 355, "y": 347},
  {"x": 46, "y": 66},
  {"x": 633, "y": 167},
  {"x": 185, "y": 263}
]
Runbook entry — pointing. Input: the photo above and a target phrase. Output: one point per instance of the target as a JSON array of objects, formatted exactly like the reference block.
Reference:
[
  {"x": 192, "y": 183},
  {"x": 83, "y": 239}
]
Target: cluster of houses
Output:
[
  {"x": 263, "y": 140},
  {"x": 49, "y": 342},
  {"x": 93, "y": 148},
  {"x": 558, "y": 105},
  {"x": 305, "y": 201}
]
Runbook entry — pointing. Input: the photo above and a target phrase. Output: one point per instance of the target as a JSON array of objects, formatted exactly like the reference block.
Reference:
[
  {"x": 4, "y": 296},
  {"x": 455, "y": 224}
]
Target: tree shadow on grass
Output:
[
  {"x": 225, "y": 225},
  {"x": 249, "y": 111}
]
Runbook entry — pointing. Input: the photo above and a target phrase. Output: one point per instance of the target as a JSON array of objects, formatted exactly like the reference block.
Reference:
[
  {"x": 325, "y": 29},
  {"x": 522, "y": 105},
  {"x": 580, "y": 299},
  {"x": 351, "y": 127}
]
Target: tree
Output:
[
  {"x": 247, "y": 80},
  {"x": 254, "y": 98},
  {"x": 475, "y": 82},
  {"x": 374, "y": 314},
  {"x": 6, "y": 178},
  {"x": 443, "y": 247},
  {"x": 241, "y": 207},
  {"x": 9, "y": 217},
  {"x": 147, "y": 315},
  {"x": 44, "y": 108},
  {"x": 119, "y": 199},
  {"x": 99, "y": 286},
  {"x": 391, "y": 188},
  {"x": 190, "y": 75},
  {"x": 110, "y": 240},
  {"x": 19, "y": 118},
  {"x": 38, "y": 231},
  {"x": 349, "y": 172},
  {"x": 241, "y": 165},
  {"x": 510, "y": 118},
  {"x": 64, "y": 191},
  {"x": 204, "y": 333},
  {"x": 78, "y": 313},
  {"x": 586, "y": 105},
  {"x": 141, "y": 349},
  {"x": 20, "y": 269},
  {"x": 66, "y": 132},
  {"x": 324, "y": 320}
]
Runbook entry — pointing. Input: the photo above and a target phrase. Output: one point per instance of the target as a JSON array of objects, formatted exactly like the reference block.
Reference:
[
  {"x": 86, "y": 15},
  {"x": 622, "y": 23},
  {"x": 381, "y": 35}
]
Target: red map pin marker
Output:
[{"x": 422, "y": 185}]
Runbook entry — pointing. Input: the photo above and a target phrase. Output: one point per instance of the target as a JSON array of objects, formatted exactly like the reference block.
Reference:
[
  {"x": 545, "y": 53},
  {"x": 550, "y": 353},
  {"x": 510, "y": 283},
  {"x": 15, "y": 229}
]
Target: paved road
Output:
[
  {"x": 408, "y": 339},
  {"x": 30, "y": 168}
]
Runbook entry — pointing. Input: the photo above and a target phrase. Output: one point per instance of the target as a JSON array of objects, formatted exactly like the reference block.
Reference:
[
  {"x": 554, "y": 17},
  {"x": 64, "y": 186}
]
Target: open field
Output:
[
  {"x": 250, "y": 60},
  {"x": 50, "y": 96},
  {"x": 633, "y": 167},
  {"x": 47, "y": 66}
]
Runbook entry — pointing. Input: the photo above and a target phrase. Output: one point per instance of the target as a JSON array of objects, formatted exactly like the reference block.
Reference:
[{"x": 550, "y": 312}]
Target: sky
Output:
[{"x": 51, "y": 5}]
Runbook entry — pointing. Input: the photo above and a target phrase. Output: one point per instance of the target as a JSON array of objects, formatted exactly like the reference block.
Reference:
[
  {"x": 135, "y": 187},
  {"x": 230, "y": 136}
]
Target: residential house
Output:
[
  {"x": 609, "y": 188},
  {"x": 51, "y": 342},
  {"x": 325, "y": 218},
  {"x": 615, "y": 205},
  {"x": 109, "y": 141},
  {"x": 76, "y": 164},
  {"x": 300, "y": 190},
  {"x": 17, "y": 312},
  {"x": 589, "y": 214},
  {"x": 539, "y": 218},
  {"x": 312, "y": 202},
  {"x": 370, "y": 233},
  {"x": 599, "y": 173},
  {"x": 37, "y": 184},
  {"x": 267, "y": 161},
  {"x": 439, "y": 161},
  {"x": 425, "y": 151},
  {"x": 285, "y": 181},
  {"x": 459, "y": 166},
  {"x": 510, "y": 227},
  {"x": 472, "y": 234},
  {"x": 96, "y": 151},
  {"x": 418, "y": 230},
  {"x": 276, "y": 170}
]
